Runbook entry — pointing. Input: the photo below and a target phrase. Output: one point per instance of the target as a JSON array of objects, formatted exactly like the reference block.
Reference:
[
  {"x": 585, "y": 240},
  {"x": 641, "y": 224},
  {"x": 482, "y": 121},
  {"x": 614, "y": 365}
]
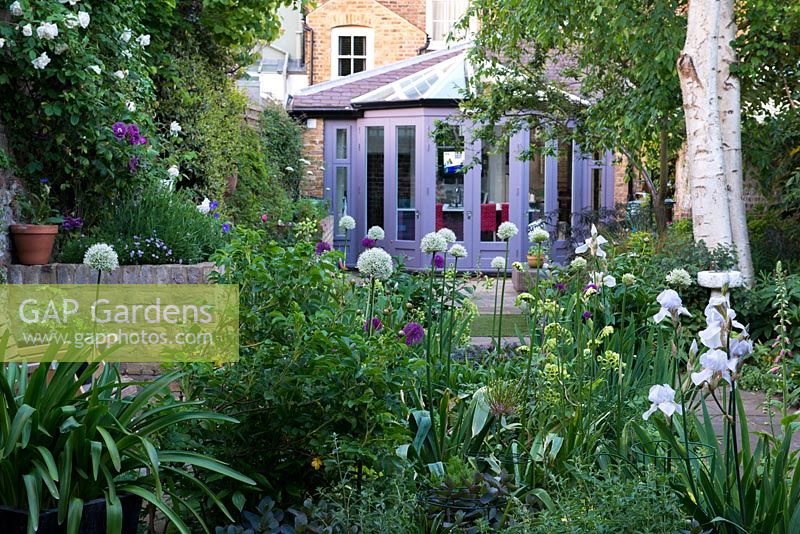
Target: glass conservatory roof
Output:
[{"x": 443, "y": 81}]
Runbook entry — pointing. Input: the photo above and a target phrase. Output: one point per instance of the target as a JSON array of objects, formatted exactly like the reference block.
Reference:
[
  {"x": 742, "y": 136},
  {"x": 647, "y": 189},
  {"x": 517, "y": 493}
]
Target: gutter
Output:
[
  {"x": 309, "y": 29},
  {"x": 424, "y": 49}
]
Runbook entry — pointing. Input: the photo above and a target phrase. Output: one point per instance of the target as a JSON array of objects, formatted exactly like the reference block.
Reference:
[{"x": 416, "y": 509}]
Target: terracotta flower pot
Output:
[
  {"x": 33, "y": 242},
  {"x": 535, "y": 262}
]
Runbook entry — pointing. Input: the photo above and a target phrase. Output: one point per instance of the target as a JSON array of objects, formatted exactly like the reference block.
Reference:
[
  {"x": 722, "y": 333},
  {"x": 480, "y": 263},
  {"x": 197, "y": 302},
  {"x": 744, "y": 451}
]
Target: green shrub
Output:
[{"x": 774, "y": 236}]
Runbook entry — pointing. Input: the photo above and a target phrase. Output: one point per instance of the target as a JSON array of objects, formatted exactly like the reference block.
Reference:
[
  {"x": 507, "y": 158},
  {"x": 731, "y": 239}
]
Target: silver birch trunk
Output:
[
  {"x": 697, "y": 70},
  {"x": 730, "y": 112}
]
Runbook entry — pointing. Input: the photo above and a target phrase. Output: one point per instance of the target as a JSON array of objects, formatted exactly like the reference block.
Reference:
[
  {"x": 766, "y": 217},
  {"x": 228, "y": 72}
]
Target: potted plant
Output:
[
  {"x": 540, "y": 241},
  {"x": 535, "y": 257},
  {"x": 82, "y": 462},
  {"x": 33, "y": 242}
]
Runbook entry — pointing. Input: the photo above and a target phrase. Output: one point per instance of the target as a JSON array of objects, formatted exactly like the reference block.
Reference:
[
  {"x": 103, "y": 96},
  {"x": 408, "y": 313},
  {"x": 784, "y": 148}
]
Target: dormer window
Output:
[
  {"x": 352, "y": 50},
  {"x": 442, "y": 17}
]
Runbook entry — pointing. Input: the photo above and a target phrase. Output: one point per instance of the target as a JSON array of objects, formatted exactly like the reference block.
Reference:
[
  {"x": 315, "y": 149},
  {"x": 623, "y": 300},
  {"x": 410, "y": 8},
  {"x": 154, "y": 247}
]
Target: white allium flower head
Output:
[
  {"x": 27, "y": 30},
  {"x": 538, "y": 235},
  {"x": 432, "y": 243},
  {"x": 126, "y": 35},
  {"x": 16, "y": 9},
  {"x": 83, "y": 19},
  {"x": 671, "y": 305},
  {"x": 507, "y": 230},
  {"x": 628, "y": 279},
  {"x": 714, "y": 364},
  {"x": 47, "y": 31},
  {"x": 101, "y": 257},
  {"x": 174, "y": 171},
  {"x": 499, "y": 262},
  {"x": 175, "y": 128},
  {"x": 375, "y": 263},
  {"x": 41, "y": 62},
  {"x": 662, "y": 398},
  {"x": 448, "y": 235},
  {"x": 143, "y": 40},
  {"x": 205, "y": 206},
  {"x": 578, "y": 263},
  {"x": 376, "y": 233},
  {"x": 679, "y": 278},
  {"x": 347, "y": 223},
  {"x": 458, "y": 251},
  {"x": 94, "y": 68}
]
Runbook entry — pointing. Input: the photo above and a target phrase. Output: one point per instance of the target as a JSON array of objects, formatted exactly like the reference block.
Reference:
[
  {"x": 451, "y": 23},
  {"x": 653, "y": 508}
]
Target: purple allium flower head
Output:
[
  {"x": 586, "y": 315},
  {"x": 226, "y": 227},
  {"x": 438, "y": 261},
  {"x": 119, "y": 129},
  {"x": 216, "y": 215},
  {"x": 561, "y": 287},
  {"x": 44, "y": 180},
  {"x": 322, "y": 247},
  {"x": 133, "y": 164},
  {"x": 213, "y": 205},
  {"x": 377, "y": 325},
  {"x": 368, "y": 243},
  {"x": 414, "y": 333}
]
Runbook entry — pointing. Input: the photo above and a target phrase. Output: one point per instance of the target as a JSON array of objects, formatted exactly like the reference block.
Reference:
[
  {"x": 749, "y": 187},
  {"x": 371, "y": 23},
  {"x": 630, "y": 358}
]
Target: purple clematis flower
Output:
[
  {"x": 226, "y": 227},
  {"x": 368, "y": 243},
  {"x": 438, "y": 261},
  {"x": 414, "y": 333},
  {"x": 213, "y": 205},
  {"x": 71, "y": 223},
  {"x": 119, "y": 129},
  {"x": 322, "y": 247},
  {"x": 216, "y": 215},
  {"x": 377, "y": 325},
  {"x": 142, "y": 140},
  {"x": 132, "y": 130}
]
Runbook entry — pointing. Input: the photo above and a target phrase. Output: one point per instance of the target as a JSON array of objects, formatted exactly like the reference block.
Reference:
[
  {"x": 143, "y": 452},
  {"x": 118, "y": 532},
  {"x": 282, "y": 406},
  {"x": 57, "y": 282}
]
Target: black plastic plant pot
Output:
[{"x": 93, "y": 520}]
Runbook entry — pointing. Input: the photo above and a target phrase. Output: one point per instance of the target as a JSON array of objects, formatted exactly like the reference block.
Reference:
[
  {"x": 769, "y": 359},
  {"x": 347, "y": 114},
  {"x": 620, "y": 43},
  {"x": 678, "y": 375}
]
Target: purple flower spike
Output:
[
  {"x": 376, "y": 325},
  {"x": 119, "y": 129},
  {"x": 133, "y": 164},
  {"x": 438, "y": 261},
  {"x": 44, "y": 180},
  {"x": 368, "y": 243},
  {"x": 226, "y": 227},
  {"x": 323, "y": 247},
  {"x": 414, "y": 333},
  {"x": 587, "y": 315}
]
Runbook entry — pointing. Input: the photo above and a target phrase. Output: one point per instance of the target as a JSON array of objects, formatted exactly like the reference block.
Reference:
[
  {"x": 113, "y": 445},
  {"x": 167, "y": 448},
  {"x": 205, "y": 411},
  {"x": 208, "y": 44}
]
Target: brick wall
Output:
[
  {"x": 411, "y": 10},
  {"x": 313, "y": 150},
  {"x": 396, "y": 38}
]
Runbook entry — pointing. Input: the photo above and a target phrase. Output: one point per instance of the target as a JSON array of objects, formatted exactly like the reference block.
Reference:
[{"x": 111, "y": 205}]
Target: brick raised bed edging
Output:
[{"x": 78, "y": 273}]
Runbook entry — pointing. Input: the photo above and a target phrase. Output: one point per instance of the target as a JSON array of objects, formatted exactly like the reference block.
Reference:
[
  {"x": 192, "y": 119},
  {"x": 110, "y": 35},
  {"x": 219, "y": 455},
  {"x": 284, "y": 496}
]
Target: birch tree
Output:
[{"x": 711, "y": 103}]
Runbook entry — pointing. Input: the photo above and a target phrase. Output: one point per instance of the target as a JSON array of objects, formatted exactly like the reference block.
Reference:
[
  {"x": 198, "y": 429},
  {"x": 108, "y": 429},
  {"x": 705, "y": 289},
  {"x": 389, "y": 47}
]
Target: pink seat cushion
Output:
[
  {"x": 488, "y": 217},
  {"x": 439, "y": 216}
]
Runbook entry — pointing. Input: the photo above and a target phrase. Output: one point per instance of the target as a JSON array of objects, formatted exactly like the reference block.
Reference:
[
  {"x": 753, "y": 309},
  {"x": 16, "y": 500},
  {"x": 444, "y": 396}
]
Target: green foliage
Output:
[
  {"x": 774, "y": 236},
  {"x": 282, "y": 138},
  {"x": 61, "y": 447},
  {"x": 186, "y": 235}
]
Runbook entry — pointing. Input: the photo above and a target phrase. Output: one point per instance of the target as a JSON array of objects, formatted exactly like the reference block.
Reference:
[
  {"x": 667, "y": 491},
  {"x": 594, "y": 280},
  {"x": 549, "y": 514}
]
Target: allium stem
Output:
[{"x": 502, "y": 302}]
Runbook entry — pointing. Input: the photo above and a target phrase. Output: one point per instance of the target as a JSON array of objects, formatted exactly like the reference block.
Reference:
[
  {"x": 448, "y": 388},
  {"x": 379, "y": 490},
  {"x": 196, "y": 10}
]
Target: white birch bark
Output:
[
  {"x": 730, "y": 116},
  {"x": 697, "y": 70}
]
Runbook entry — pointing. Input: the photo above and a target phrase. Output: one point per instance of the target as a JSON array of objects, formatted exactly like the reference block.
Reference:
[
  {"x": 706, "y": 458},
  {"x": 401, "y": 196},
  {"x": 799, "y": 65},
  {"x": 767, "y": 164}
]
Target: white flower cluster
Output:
[
  {"x": 499, "y": 263},
  {"x": 376, "y": 233},
  {"x": 375, "y": 263},
  {"x": 448, "y": 235},
  {"x": 41, "y": 62},
  {"x": 82, "y": 19},
  {"x": 143, "y": 40},
  {"x": 458, "y": 251},
  {"x": 679, "y": 278},
  {"x": 101, "y": 257},
  {"x": 47, "y": 31},
  {"x": 175, "y": 128},
  {"x": 432, "y": 243},
  {"x": 507, "y": 230},
  {"x": 205, "y": 206},
  {"x": 347, "y": 223},
  {"x": 538, "y": 235},
  {"x": 16, "y": 9}
]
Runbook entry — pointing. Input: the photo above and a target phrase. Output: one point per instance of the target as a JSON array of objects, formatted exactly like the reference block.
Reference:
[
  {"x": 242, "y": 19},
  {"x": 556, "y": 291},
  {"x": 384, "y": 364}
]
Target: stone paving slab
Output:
[{"x": 484, "y": 298}]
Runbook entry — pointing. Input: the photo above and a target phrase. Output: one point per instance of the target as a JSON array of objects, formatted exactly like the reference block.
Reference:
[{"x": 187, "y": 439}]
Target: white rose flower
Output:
[
  {"x": 432, "y": 243},
  {"x": 130, "y": 106},
  {"x": 458, "y": 251},
  {"x": 94, "y": 68},
  {"x": 47, "y": 31},
  {"x": 27, "y": 30},
  {"x": 175, "y": 128},
  {"x": 376, "y": 233},
  {"x": 83, "y": 19},
  {"x": 662, "y": 398},
  {"x": 15, "y": 9},
  {"x": 507, "y": 230},
  {"x": 448, "y": 235},
  {"x": 2, "y": 43},
  {"x": 174, "y": 171},
  {"x": 61, "y": 48},
  {"x": 375, "y": 263},
  {"x": 41, "y": 62},
  {"x": 347, "y": 223},
  {"x": 205, "y": 206},
  {"x": 499, "y": 263},
  {"x": 126, "y": 35},
  {"x": 101, "y": 257},
  {"x": 143, "y": 40},
  {"x": 120, "y": 74},
  {"x": 71, "y": 21},
  {"x": 538, "y": 235}
]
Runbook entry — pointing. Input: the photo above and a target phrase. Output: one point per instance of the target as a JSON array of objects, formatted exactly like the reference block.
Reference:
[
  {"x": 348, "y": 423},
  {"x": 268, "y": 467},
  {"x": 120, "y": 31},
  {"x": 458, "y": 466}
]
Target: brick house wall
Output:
[
  {"x": 311, "y": 184},
  {"x": 396, "y": 38}
]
